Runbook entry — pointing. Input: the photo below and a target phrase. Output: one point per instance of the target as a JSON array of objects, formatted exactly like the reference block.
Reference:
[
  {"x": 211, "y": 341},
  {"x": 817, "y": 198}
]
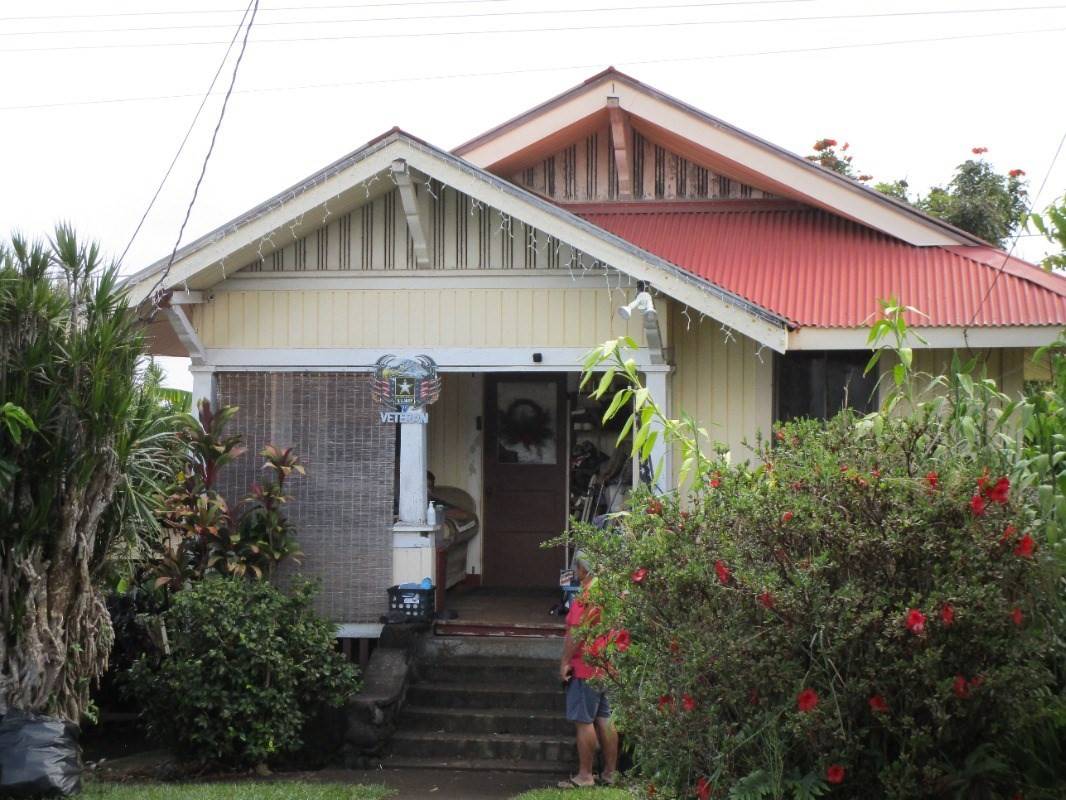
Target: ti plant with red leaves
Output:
[{"x": 203, "y": 534}]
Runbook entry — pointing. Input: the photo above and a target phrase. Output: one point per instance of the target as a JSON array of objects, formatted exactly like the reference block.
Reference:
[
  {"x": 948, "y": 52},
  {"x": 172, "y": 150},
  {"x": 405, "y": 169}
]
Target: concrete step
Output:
[
  {"x": 531, "y": 647},
  {"x": 539, "y": 673},
  {"x": 496, "y": 747},
  {"x": 547, "y": 768},
  {"x": 466, "y": 720},
  {"x": 486, "y": 697}
]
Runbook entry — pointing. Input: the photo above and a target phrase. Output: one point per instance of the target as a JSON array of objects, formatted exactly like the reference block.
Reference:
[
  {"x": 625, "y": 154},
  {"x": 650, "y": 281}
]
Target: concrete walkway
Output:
[{"x": 425, "y": 784}]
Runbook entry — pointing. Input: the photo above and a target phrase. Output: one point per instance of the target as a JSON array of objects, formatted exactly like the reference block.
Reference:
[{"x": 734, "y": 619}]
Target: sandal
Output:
[
  {"x": 611, "y": 781},
  {"x": 570, "y": 783}
]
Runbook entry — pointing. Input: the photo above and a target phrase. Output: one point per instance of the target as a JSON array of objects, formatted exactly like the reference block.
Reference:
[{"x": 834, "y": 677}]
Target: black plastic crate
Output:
[{"x": 415, "y": 603}]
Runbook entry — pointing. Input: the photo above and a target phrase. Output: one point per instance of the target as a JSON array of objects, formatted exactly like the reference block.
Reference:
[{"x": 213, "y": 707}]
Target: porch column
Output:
[
  {"x": 658, "y": 383},
  {"x": 414, "y": 492},
  {"x": 203, "y": 385}
]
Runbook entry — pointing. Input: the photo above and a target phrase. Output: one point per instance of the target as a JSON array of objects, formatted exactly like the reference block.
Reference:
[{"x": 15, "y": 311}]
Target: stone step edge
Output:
[
  {"x": 454, "y": 736},
  {"x": 483, "y": 688},
  {"x": 508, "y": 713},
  {"x": 476, "y": 765}
]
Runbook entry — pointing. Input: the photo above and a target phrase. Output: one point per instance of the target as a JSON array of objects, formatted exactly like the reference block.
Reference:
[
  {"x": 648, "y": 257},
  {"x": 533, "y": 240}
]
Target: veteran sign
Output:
[{"x": 403, "y": 387}]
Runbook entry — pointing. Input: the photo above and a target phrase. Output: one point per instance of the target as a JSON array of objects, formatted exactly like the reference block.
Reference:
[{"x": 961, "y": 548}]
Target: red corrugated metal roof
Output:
[{"x": 820, "y": 270}]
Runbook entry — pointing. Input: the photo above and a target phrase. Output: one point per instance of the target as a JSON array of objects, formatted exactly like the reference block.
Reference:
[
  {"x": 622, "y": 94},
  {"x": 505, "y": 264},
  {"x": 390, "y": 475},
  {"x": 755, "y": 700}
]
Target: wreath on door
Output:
[{"x": 526, "y": 423}]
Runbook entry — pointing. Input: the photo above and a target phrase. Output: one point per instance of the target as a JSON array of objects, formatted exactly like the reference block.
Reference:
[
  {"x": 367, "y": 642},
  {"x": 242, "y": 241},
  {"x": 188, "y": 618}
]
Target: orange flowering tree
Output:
[{"x": 867, "y": 612}]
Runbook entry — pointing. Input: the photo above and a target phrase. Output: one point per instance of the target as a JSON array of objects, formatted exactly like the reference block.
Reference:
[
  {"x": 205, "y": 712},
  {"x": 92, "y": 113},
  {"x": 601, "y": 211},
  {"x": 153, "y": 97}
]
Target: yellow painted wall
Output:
[
  {"x": 723, "y": 381},
  {"x": 445, "y": 317},
  {"x": 455, "y": 443}
]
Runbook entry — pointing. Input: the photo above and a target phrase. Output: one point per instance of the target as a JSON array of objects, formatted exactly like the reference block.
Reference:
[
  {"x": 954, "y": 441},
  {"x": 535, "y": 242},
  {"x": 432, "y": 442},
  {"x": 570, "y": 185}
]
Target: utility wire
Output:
[
  {"x": 322, "y": 7},
  {"x": 417, "y": 17},
  {"x": 1002, "y": 267},
  {"x": 500, "y": 31},
  {"x": 254, "y": 5},
  {"x": 188, "y": 133},
  {"x": 533, "y": 70}
]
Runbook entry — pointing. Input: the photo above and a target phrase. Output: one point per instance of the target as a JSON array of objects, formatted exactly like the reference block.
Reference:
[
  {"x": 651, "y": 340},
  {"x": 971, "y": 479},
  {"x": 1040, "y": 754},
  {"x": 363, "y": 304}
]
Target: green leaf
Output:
[{"x": 605, "y": 382}]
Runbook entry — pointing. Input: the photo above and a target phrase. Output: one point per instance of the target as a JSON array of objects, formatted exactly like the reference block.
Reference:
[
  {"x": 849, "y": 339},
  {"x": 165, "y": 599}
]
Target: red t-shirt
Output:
[{"x": 574, "y": 618}]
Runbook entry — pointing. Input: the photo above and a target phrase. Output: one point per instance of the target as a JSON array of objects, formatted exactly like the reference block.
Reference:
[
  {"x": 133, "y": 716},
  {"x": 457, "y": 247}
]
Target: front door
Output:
[{"x": 525, "y": 478}]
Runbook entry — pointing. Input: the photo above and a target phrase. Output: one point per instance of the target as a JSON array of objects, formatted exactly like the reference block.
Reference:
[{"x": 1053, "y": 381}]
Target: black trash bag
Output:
[{"x": 39, "y": 756}]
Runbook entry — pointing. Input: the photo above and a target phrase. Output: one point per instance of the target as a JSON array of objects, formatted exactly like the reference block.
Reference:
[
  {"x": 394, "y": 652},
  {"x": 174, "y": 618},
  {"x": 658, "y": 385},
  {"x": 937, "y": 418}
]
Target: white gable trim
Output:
[
  {"x": 983, "y": 337},
  {"x": 238, "y": 242},
  {"x": 817, "y": 185}
]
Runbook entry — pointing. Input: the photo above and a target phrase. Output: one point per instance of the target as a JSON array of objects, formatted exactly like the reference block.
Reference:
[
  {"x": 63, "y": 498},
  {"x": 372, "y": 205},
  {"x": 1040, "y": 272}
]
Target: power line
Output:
[
  {"x": 534, "y": 70},
  {"x": 497, "y": 32},
  {"x": 254, "y": 5},
  {"x": 234, "y": 10},
  {"x": 188, "y": 133},
  {"x": 419, "y": 17}
]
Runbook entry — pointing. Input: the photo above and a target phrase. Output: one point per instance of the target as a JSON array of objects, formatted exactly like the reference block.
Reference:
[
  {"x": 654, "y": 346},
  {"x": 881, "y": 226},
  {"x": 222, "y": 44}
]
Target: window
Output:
[{"x": 819, "y": 383}]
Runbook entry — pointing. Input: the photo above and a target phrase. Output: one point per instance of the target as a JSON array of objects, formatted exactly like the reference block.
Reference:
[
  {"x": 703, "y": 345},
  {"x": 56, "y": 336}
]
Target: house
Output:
[{"x": 478, "y": 278}]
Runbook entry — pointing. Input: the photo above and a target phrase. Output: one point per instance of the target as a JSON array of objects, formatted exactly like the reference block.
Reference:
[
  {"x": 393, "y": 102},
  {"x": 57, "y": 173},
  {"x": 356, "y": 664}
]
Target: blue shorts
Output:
[{"x": 584, "y": 703}]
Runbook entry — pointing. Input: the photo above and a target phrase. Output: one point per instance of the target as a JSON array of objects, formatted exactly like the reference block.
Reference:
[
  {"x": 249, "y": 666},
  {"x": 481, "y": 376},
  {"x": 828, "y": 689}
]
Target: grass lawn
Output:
[
  {"x": 594, "y": 793},
  {"x": 274, "y": 790}
]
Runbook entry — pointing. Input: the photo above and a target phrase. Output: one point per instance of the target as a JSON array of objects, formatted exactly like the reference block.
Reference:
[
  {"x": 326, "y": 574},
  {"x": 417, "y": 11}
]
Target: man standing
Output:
[{"x": 586, "y": 706}]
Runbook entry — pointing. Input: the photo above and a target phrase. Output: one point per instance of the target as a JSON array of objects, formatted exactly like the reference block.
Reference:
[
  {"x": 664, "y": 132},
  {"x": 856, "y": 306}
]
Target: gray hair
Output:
[{"x": 581, "y": 560}]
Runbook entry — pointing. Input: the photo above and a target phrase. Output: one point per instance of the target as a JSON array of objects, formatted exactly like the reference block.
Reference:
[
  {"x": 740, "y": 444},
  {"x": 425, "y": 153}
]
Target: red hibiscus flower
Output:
[
  {"x": 878, "y": 704},
  {"x": 807, "y": 700},
  {"x": 915, "y": 621},
  {"x": 835, "y": 774},
  {"x": 703, "y": 789},
  {"x": 597, "y": 646},
  {"x": 862, "y": 483},
  {"x": 722, "y": 571},
  {"x": 1008, "y": 533},
  {"x": 715, "y": 481},
  {"x": 787, "y": 516},
  {"x": 1016, "y": 616},
  {"x": 592, "y": 616},
  {"x": 1016, "y": 173},
  {"x": 780, "y": 436},
  {"x": 621, "y": 640},
  {"x": 654, "y": 507},
  {"x": 977, "y": 505},
  {"x": 766, "y": 600},
  {"x": 639, "y": 575},
  {"x": 947, "y": 614},
  {"x": 961, "y": 687},
  {"x": 999, "y": 491},
  {"x": 1025, "y": 547},
  {"x": 979, "y": 150},
  {"x": 666, "y": 702},
  {"x": 933, "y": 480},
  {"x": 688, "y": 703}
]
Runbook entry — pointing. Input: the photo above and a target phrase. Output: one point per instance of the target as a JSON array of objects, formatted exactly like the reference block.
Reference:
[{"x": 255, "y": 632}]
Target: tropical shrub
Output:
[
  {"x": 868, "y": 612},
  {"x": 202, "y": 534},
  {"x": 246, "y": 666},
  {"x": 75, "y": 454}
]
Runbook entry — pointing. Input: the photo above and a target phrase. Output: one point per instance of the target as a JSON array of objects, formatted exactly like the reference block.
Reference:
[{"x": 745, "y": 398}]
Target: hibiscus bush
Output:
[{"x": 867, "y": 611}]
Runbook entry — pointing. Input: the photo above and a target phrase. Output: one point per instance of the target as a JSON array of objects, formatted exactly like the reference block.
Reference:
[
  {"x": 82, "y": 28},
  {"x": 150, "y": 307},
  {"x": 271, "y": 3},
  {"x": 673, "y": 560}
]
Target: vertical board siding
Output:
[
  {"x": 415, "y": 317},
  {"x": 723, "y": 381},
  {"x": 461, "y": 234},
  {"x": 455, "y": 443},
  {"x": 584, "y": 171}
]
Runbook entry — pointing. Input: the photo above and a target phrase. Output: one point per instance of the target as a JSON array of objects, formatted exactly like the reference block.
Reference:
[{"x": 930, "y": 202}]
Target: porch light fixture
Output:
[{"x": 642, "y": 303}]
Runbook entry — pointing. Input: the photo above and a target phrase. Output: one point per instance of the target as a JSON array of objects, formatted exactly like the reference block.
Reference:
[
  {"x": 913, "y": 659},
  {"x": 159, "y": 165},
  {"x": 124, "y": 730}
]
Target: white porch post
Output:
[
  {"x": 203, "y": 384},
  {"x": 658, "y": 384},
  {"x": 414, "y": 493}
]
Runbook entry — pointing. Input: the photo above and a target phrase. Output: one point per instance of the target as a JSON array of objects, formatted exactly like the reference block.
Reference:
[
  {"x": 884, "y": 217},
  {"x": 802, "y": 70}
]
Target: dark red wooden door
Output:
[{"x": 525, "y": 461}]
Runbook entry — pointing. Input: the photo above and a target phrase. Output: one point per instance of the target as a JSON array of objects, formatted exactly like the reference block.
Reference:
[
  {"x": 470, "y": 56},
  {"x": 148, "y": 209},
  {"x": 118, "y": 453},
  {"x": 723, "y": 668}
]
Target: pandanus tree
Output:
[{"x": 81, "y": 450}]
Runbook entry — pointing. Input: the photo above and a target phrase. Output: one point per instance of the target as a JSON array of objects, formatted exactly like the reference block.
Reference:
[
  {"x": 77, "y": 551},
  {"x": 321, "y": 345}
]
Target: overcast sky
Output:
[{"x": 96, "y": 95}]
